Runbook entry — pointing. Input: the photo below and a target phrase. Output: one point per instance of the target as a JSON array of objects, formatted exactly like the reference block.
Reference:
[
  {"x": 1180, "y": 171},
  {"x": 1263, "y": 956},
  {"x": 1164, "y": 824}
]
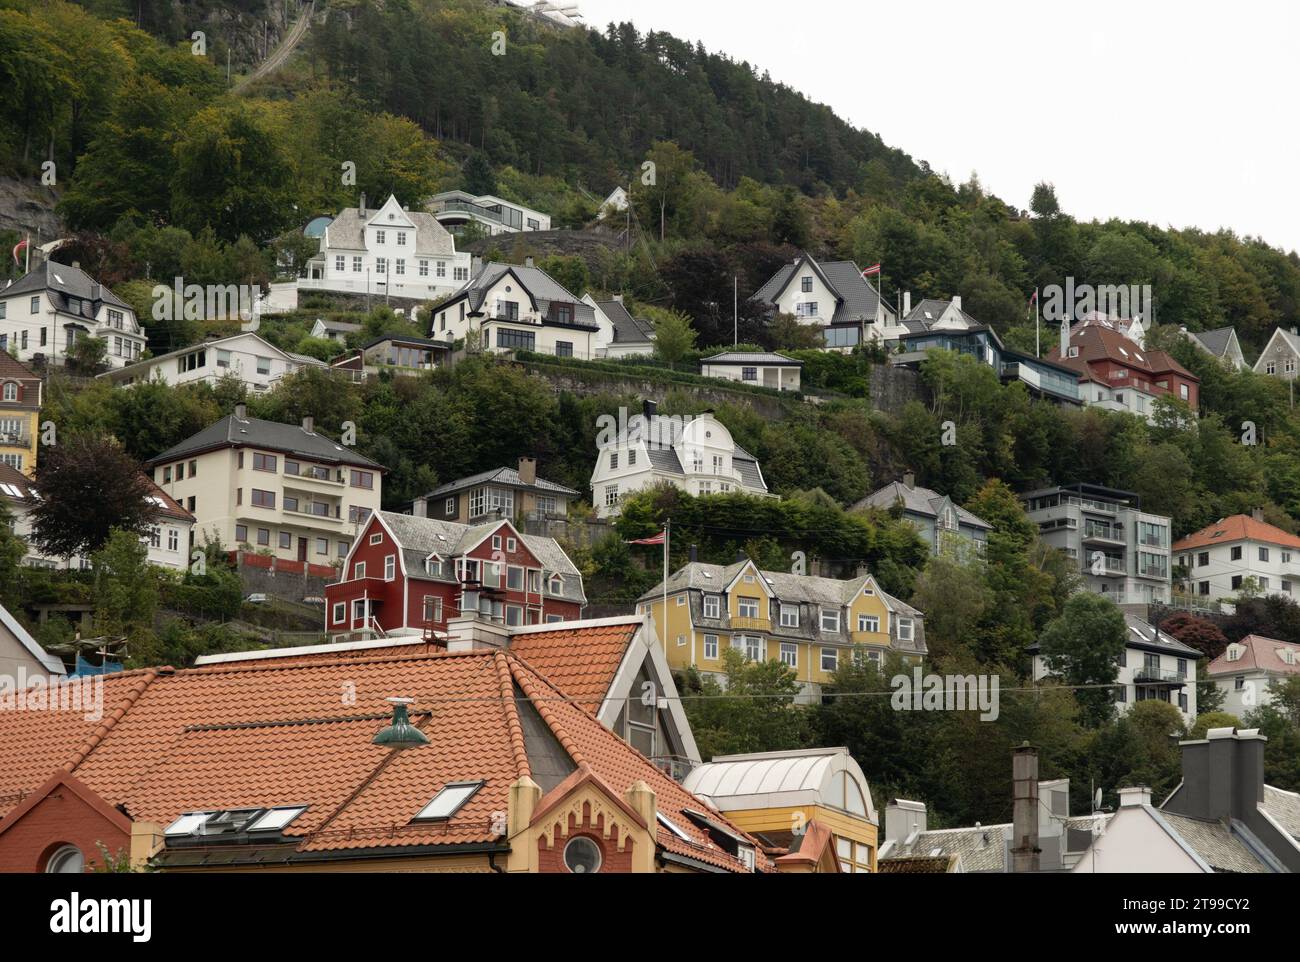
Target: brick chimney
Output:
[
  {"x": 1257, "y": 514},
  {"x": 528, "y": 470},
  {"x": 1024, "y": 809}
]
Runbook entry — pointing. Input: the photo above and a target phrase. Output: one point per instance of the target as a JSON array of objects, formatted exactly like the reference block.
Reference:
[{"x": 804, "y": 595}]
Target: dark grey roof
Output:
[
  {"x": 627, "y": 329},
  {"x": 747, "y": 465},
  {"x": 1221, "y": 848},
  {"x": 767, "y": 358},
  {"x": 63, "y": 281},
  {"x": 1147, "y": 637},
  {"x": 857, "y": 300},
  {"x": 917, "y": 500},
  {"x": 981, "y": 848},
  {"x": 537, "y": 284},
  {"x": 421, "y": 537},
  {"x": 403, "y": 339},
  {"x": 929, "y": 310},
  {"x": 1216, "y": 341},
  {"x": 271, "y": 435},
  {"x": 1284, "y": 806},
  {"x": 508, "y": 476}
]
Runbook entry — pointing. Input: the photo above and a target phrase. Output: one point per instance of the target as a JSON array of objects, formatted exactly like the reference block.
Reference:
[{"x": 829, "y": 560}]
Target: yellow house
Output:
[
  {"x": 790, "y": 800},
  {"x": 20, "y": 411},
  {"x": 810, "y": 624}
]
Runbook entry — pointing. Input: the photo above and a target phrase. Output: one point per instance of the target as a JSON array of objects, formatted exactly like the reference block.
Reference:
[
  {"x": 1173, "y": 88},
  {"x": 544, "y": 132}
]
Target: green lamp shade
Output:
[{"x": 400, "y": 733}]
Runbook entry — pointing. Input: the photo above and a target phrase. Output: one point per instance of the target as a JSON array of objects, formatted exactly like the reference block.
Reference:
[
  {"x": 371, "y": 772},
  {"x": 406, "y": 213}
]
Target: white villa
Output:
[
  {"x": 46, "y": 311},
  {"x": 391, "y": 251},
  {"x": 257, "y": 363},
  {"x": 834, "y": 297},
  {"x": 620, "y": 334},
  {"x": 695, "y": 453},
  {"x": 1247, "y": 670}
]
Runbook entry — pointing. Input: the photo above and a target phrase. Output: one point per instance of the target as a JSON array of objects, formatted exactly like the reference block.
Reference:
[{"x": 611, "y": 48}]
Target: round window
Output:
[
  {"x": 67, "y": 860},
  {"x": 582, "y": 856}
]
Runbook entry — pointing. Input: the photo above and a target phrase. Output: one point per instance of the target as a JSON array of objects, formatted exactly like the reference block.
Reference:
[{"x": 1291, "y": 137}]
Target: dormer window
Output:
[{"x": 556, "y": 585}]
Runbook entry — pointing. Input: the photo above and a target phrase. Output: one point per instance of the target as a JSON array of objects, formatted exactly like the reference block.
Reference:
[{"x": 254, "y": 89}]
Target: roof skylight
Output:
[
  {"x": 275, "y": 819},
  {"x": 673, "y": 827},
  {"x": 187, "y": 823},
  {"x": 448, "y": 801}
]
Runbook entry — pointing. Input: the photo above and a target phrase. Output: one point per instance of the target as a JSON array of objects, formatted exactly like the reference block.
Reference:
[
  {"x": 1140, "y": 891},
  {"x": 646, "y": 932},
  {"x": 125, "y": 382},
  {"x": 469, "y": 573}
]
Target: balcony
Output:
[
  {"x": 466, "y": 207},
  {"x": 315, "y": 511},
  {"x": 315, "y": 476},
  {"x": 751, "y": 624},
  {"x": 1109, "y": 534},
  {"x": 1158, "y": 676},
  {"x": 17, "y": 440},
  {"x": 1109, "y": 568}
]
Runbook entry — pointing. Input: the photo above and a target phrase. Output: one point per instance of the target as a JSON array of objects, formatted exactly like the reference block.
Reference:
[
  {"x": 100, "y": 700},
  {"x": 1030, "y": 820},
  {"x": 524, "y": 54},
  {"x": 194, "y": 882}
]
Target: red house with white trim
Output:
[{"x": 407, "y": 575}]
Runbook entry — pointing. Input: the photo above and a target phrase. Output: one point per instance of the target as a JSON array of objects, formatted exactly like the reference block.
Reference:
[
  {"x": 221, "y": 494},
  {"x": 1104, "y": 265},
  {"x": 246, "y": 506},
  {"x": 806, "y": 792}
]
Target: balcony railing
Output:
[
  {"x": 1158, "y": 676},
  {"x": 752, "y": 624},
  {"x": 1108, "y": 568}
]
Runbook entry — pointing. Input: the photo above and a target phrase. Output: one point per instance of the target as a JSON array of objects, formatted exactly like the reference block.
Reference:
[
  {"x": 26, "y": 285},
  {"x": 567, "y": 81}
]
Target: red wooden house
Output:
[{"x": 409, "y": 575}]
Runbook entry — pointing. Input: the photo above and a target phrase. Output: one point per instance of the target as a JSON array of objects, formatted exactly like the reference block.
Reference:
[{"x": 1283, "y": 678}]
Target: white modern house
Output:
[
  {"x": 1239, "y": 552},
  {"x": 508, "y": 307},
  {"x": 46, "y": 311},
  {"x": 693, "y": 452},
  {"x": 454, "y": 209},
  {"x": 767, "y": 369},
  {"x": 619, "y": 333},
  {"x": 1248, "y": 669},
  {"x": 256, "y": 362},
  {"x": 1155, "y": 665},
  {"x": 1280, "y": 355},
  {"x": 834, "y": 297},
  {"x": 392, "y": 251},
  {"x": 168, "y": 539}
]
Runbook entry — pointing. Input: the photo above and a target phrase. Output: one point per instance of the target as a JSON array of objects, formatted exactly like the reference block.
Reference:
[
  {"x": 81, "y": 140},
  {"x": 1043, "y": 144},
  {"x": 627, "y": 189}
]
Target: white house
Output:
[
  {"x": 454, "y": 209},
  {"x": 617, "y": 202},
  {"x": 695, "y": 453},
  {"x": 391, "y": 251},
  {"x": 1237, "y": 552},
  {"x": 833, "y": 297},
  {"x": 511, "y": 307},
  {"x": 1280, "y": 355},
  {"x": 256, "y": 362},
  {"x": 45, "y": 312},
  {"x": 168, "y": 540},
  {"x": 765, "y": 369},
  {"x": 1248, "y": 669},
  {"x": 618, "y": 333},
  {"x": 337, "y": 331},
  {"x": 1155, "y": 665}
]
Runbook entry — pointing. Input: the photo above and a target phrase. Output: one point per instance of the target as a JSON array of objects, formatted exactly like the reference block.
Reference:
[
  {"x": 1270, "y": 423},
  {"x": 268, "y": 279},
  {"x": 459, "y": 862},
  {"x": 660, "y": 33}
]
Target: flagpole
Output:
[{"x": 1038, "y": 351}]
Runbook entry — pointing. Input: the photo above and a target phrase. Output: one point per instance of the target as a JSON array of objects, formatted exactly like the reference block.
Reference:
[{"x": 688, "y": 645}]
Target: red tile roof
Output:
[
  {"x": 1096, "y": 343},
  {"x": 298, "y": 732},
  {"x": 580, "y": 661},
  {"x": 1261, "y": 653},
  {"x": 1238, "y": 527},
  {"x": 13, "y": 369}
]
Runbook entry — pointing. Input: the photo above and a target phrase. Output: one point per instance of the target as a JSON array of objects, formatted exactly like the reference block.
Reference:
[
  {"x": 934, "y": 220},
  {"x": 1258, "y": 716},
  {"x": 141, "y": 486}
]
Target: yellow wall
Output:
[
  {"x": 28, "y": 450},
  {"x": 841, "y": 824}
]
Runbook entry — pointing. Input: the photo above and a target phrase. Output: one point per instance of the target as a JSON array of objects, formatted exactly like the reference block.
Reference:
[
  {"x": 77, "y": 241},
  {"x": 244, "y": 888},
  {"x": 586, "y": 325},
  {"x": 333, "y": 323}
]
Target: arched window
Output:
[
  {"x": 582, "y": 856},
  {"x": 66, "y": 860},
  {"x": 10, "y": 391}
]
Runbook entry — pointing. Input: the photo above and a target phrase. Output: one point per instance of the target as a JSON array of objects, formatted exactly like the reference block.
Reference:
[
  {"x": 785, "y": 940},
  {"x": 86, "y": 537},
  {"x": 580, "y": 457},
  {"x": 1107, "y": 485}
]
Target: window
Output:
[
  {"x": 173, "y": 539},
  {"x": 264, "y": 462},
  {"x": 514, "y": 615},
  {"x": 381, "y": 236},
  {"x": 749, "y": 374},
  {"x": 11, "y": 391},
  {"x": 564, "y": 349},
  {"x": 563, "y": 313},
  {"x": 869, "y": 623},
  {"x": 748, "y": 607},
  {"x": 36, "y": 305},
  {"x": 711, "y": 647},
  {"x": 521, "y": 340},
  {"x": 805, "y": 284},
  {"x": 432, "y": 609},
  {"x": 1236, "y": 552},
  {"x": 286, "y": 539},
  {"x": 322, "y": 546},
  {"x": 363, "y": 479},
  {"x": 241, "y": 533},
  {"x": 68, "y": 860},
  {"x": 390, "y": 567},
  {"x": 681, "y": 601},
  {"x": 1263, "y": 554},
  {"x": 753, "y": 648},
  {"x": 789, "y": 616},
  {"x": 1202, "y": 559},
  {"x": 155, "y": 538},
  {"x": 263, "y": 499},
  {"x": 496, "y": 542},
  {"x": 356, "y": 264},
  {"x": 340, "y": 612},
  {"x": 582, "y": 856},
  {"x": 905, "y": 629},
  {"x": 511, "y": 545},
  {"x": 423, "y": 268},
  {"x": 340, "y": 261},
  {"x": 613, "y": 460},
  {"x": 448, "y": 801},
  {"x": 514, "y": 578},
  {"x": 1236, "y": 582},
  {"x": 263, "y": 365},
  {"x": 790, "y": 654},
  {"x": 830, "y": 619},
  {"x": 611, "y": 495},
  {"x": 712, "y": 606},
  {"x": 401, "y": 238},
  {"x": 830, "y": 659},
  {"x": 449, "y": 507},
  {"x": 359, "y": 570},
  {"x": 400, "y": 265},
  {"x": 377, "y": 538}
]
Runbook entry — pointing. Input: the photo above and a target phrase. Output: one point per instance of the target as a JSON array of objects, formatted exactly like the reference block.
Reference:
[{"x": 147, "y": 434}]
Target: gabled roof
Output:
[
  {"x": 1217, "y": 341},
  {"x": 131, "y": 370},
  {"x": 1214, "y": 842},
  {"x": 12, "y": 369},
  {"x": 1259, "y": 654},
  {"x": 505, "y": 476},
  {"x": 1144, "y": 636},
  {"x": 14, "y": 485},
  {"x": 64, "y": 281},
  {"x": 980, "y": 848},
  {"x": 856, "y": 299},
  {"x": 927, "y": 312},
  {"x": 627, "y": 329},
  {"x": 347, "y": 230},
  {"x": 766, "y": 358},
  {"x": 580, "y": 659},
  {"x": 539, "y": 286},
  {"x": 918, "y": 500},
  {"x": 52, "y": 664},
  {"x": 1288, "y": 338},
  {"x": 234, "y": 736},
  {"x": 231, "y": 432},
  {"x": 1097, "y": 343},
  {"x": 1237, "y": 527}
]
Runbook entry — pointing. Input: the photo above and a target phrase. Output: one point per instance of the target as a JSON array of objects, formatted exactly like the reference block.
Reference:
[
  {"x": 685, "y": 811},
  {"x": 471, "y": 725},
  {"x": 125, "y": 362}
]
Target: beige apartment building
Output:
[{"x": 283, "y": 490}]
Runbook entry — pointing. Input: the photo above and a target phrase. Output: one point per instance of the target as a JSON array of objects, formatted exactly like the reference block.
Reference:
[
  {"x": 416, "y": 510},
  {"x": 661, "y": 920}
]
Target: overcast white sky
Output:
[{"x": 1182, "y": 114}]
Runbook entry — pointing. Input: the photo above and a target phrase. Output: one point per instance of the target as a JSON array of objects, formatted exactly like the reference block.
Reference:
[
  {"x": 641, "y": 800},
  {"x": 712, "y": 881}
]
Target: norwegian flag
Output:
[
  {"x": 21, "y": 245},
  {"x": 657, "y": 539},
  {"x": 874, "y": 269},
  {"x": 1033, "y": 298}
]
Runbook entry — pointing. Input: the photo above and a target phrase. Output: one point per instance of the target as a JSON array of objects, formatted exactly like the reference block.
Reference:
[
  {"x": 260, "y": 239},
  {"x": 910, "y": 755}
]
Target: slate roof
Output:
[
  {"x": 1216, "y": 341},
  {"x": 62, "y": 281},
  {"x": 1284, "y": 806},
  {"x": 627, "y": 329},
  {"x": 1260, "y": 654},
  {"x": 918, "y": 865},
  {"x": 928, "y": 310},
  {"x": 235, "y": 736},
  {"x": 539, "y": 285},
  {"x": 347, "y": 231},
  {"x": 419, "y": 538},
  {"x": 1146, "y": 637},
  {"x": 1237, "y": 527},
  {"x": 230, "y": 432},
  {"x": 857, "y": 300},
  {"x": 505, "y": 476},
  {"x": 981, "y": 848},
  {"x": 767, "y": 358},
  {"x": 918, "y": 500},
  {"x": 1221, "y": 848}
]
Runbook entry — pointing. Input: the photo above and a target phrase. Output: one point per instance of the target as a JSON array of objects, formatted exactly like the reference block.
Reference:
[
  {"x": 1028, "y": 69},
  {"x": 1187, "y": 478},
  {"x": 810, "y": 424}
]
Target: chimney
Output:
[
  {"x": 956, "y": 302},
  {"x": 361, "y": 205},
  {"x": 648, "y": 408},
  {"x": 618, "y": 298},
  {"x": 528, "y": 470},
  {"x": 308, "y": 423},
  {"x": 694, "y": 555},
  {"x": 1024, "y": 809},
  {"x": 420, "y": 507},
  {"x": 1065, "y": 338},
  {"x": 1134, "y": 797},
  {"x": 909, "y": 480},
  {"x": 903, "y": 819},
  {"x": 528, "y": 261},
  {"x": 907, "y": 303},
  {"x": 241, "y": 412},
  {"x": 1257, "y": 514},
  {"x": 470, "y": 633},
  {"x": 76, "y": 265}
]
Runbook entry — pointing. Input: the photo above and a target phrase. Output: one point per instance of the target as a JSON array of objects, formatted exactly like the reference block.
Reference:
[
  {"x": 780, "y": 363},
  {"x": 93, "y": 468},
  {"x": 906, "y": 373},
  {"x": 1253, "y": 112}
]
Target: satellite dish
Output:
[{"x": 1096, "y": 800}]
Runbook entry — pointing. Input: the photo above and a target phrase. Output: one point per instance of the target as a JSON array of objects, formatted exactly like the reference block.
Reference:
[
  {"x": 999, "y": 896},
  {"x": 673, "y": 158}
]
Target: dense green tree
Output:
[{"x": 1083, "y": 647}]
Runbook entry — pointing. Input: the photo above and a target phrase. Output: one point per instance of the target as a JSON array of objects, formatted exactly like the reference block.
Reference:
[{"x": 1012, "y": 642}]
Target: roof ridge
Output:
[
  {"x": 520, "y": 672},
  {"x": 513, "y": 724},
  {"x": 351, "y": 657},
  {"x": 102, "y": 730}
]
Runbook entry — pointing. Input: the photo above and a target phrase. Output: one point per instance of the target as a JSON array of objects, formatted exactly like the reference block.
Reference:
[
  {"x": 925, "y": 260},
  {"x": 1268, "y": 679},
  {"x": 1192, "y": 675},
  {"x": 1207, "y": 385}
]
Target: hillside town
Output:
[{"x": 480, "y": 517}]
